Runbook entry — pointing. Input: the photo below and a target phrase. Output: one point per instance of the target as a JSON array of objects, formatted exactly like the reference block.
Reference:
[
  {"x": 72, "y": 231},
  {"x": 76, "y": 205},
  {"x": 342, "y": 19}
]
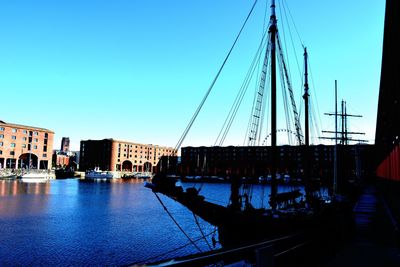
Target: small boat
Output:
[
  {"x": 98, "y": 174},
  {"x": 35, "y": 177},
  {"x": 143, "y": 175},
  {"x": 64, "y": 173},
  {"x": 8, "y": 177}
]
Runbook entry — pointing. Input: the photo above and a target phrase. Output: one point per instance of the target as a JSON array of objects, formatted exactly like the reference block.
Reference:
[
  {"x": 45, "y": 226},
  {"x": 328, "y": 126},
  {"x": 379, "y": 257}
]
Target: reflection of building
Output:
[
  {"x": 256, "y": 161},
  {"x": 114, "y": 155},
  {"x": 25, "y": 146}
]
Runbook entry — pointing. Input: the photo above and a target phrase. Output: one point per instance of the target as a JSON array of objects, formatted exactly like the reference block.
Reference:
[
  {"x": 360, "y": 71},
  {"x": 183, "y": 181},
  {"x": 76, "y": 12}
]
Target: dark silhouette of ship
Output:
[{"x": 240, "y": 223}]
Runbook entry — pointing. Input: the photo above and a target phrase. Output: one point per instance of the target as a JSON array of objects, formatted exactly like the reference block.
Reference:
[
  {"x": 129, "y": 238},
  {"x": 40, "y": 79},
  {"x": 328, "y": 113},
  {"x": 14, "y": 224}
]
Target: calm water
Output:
[{"x": 75, "y": 223}]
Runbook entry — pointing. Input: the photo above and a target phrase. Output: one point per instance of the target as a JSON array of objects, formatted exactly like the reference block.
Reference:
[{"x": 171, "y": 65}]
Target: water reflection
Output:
[
  {"x": 17, "y": 187},
  {"x": 23, "y": 199},
  {"x": 80, "y": 223}
]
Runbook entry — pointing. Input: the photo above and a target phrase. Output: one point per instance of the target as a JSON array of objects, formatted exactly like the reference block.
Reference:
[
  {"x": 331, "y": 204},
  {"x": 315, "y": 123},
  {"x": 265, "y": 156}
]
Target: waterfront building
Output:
[
  {"x": 255, "y": 161},
  {"x": 387, "y": 138},
  {"x": 25, "y": 146},
  {"x": 115, "y": 155}
]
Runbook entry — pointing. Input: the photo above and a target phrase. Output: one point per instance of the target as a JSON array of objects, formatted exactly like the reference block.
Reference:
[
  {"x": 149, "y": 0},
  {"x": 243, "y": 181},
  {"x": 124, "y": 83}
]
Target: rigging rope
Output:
[
  {"x": 182, "y": 138},
  {"x": 240, "y": 95},
  {"x": 315, "y": 95},
  {"x": 173, "y": 250},
  {"x": 201, "y": 231},
  {"x": 177, "y": 224},
  {"x": 293, "y": 102}
]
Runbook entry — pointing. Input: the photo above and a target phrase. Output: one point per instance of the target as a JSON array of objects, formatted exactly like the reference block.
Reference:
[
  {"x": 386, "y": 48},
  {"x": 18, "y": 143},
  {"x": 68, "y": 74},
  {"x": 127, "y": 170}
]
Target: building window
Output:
[
  {"x": 25, "y": 131},
  {"x": 14, "y": 130},
  {"x": 1, "y": 128},
  {"x": 35, "y": 133},
  {"x": 1, "y": 135},
  {"x": 1, "y": 152},
  {"x": 35, "y": 147},
  {"x": 44, "y": 155},
  {"x": 13, "y": 137},
  {"x": 24, "y": 145},
  {"x": 46, "y": 135},
  {"x": 36, "y": 140},
  {"x": 12, "y": 145},
  {"x": 45, "y": 149},
  {"x": 12, "y": 153}
]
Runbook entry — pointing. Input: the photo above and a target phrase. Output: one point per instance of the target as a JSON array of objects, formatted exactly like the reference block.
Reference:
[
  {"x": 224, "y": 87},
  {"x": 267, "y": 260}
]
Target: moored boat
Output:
[
  {"x": 98, "y": 174},
  {"x": 240, "y": 223},
  {"x": 64, "y": 173},
  {"x": 35, "y": 177}
]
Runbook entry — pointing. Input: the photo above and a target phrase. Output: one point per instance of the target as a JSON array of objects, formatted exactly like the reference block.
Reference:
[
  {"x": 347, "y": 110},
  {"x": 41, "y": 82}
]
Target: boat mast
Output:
[
  {"x": 272, "y": 31},
  {"x": 307, "y": 129},
  {"x": 336, "y": 141}
]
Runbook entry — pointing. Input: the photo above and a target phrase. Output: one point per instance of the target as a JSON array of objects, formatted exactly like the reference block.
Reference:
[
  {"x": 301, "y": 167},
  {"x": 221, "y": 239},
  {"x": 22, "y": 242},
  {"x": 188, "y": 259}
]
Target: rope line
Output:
[
  {"x": 173, "y": 250},
  {"x": 189, "y": 126},
  {"x": 201, "y": 231},
  {"x": 177, "y": 224}
]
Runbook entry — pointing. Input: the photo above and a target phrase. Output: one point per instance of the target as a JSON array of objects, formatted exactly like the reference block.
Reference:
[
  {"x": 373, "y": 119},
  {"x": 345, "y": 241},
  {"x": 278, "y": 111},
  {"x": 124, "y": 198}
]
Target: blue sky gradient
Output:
[{"x": 136, "y": 70}]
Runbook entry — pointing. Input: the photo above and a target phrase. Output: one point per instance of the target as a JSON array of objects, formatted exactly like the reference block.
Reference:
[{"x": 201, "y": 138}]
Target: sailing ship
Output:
[{"x": 240, "y": 223}]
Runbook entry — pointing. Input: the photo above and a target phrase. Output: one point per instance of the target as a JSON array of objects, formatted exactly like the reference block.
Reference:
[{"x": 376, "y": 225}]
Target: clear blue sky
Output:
[{"x": 136, "y": 70}]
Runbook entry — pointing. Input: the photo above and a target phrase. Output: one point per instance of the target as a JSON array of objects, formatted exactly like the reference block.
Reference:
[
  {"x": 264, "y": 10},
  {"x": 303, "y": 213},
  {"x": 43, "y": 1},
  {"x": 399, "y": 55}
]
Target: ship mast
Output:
[
  {"x": 272, "y": 31},
  {"x": 307, "y": 128}
]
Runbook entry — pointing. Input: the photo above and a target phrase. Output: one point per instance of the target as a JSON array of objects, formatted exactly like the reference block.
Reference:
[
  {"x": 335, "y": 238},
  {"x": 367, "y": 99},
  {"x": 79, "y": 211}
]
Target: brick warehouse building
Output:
[
  {"x": 18, "y": 141},
  {"x": 255, "y": 161},
  {"x": 114, "y": 155}
]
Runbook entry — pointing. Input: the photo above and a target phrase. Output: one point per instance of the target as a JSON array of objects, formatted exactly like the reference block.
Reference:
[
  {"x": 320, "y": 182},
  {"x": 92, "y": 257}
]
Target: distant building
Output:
[
  {"x": 65, "y": 158},
  {"x": 65, "y": 144},
  {"x": 114, "y": 155},
  {"x": 255, "y": 161},
  {"x": 25, "y": 146}
]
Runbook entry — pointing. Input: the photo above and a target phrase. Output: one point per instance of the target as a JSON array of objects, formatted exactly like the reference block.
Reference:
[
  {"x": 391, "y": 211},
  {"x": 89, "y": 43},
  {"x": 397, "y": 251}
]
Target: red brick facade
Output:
[
  {"x": 25, "y": 146},
  {"x": 114, "y": 155},
  {"x": 127, "y": 156}
]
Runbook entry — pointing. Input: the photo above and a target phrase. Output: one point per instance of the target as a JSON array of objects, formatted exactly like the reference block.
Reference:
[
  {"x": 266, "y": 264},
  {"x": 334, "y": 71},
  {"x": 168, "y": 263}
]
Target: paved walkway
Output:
[{"x": 374, "y": 243}]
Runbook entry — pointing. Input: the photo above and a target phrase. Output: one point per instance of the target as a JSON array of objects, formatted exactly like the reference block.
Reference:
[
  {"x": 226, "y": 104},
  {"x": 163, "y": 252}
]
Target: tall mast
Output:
[
  {"x": 307, "y": 130},
  {"x": 272, "y": 31},
  {"x": 305, "y": 97},
  {"x": 335, "y": 174}
]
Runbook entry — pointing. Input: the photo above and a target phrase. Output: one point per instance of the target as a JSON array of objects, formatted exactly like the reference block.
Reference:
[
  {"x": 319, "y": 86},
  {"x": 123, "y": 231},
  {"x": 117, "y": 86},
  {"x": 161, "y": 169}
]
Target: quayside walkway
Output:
[{"x": 376, "y": 240}]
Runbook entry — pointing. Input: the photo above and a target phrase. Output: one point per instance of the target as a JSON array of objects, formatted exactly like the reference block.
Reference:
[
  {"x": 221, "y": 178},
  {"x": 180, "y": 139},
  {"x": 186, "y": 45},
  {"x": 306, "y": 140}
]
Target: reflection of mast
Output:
[{"x": 30, "y": 149}]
